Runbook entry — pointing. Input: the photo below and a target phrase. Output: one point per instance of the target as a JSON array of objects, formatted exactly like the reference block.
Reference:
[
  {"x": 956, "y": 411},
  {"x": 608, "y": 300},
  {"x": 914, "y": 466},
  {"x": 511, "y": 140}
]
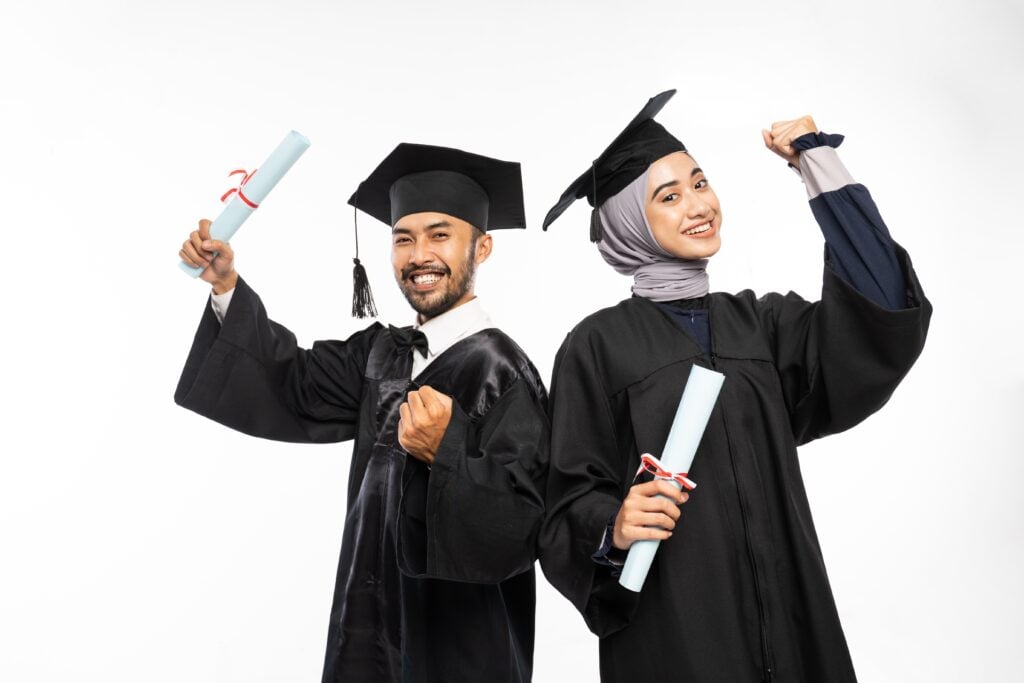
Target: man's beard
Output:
[{"x": 433, "y": 304}]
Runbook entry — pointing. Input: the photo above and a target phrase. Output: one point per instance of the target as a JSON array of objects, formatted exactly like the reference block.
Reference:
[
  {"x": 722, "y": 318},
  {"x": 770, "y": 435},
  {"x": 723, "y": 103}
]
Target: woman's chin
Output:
[{"x": 693, "y": 250}]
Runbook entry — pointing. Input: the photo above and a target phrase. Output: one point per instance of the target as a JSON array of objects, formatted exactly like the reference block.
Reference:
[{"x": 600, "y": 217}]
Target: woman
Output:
[{"x": 738, "y": 589}]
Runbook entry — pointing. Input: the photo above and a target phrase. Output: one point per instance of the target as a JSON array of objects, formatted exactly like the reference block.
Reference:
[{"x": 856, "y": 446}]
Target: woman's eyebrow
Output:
[
  {"x": 696, "y": 170},
  {"x": 661, "y": 187}
]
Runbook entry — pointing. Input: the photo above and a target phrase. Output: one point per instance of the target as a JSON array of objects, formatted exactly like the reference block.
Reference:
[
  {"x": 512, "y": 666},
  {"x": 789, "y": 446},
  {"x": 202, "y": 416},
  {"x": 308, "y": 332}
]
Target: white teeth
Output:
[
  {"x": 426, "y": 278},
  {"x": 699, "y": 229}
]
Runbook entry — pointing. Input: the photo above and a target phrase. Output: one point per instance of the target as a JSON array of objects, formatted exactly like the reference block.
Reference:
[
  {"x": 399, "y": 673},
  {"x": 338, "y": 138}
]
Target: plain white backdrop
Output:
[{"x": 140, "y": 542}]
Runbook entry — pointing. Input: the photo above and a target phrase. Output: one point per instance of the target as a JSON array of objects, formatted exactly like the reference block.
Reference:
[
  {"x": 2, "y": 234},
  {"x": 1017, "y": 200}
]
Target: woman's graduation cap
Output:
[
  {"x": 486, "y": 193},
  {"x": 641, "y": 143}
]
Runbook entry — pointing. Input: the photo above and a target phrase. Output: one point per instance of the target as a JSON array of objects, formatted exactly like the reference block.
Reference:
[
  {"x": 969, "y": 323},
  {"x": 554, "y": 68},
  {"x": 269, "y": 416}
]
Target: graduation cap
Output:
[
  {"x": 486, "y": 193},
  {"x": 641, "y": 143}
]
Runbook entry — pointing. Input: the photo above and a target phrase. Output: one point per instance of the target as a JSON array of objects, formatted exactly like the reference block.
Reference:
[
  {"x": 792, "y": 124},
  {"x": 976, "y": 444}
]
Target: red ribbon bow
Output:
[
  {"x": 246, "y": 177},
  {"x": 651, "y": 464}
]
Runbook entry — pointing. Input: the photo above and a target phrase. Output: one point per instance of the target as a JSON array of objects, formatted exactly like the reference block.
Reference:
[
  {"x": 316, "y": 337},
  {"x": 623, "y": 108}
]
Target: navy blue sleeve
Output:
[
  {"x": 608, "y": 555},
  {"x": 858, "y": 246}
]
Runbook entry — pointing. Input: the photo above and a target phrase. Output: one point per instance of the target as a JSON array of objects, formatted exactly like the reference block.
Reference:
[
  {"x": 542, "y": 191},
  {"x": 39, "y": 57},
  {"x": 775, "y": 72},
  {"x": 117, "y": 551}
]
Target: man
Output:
[{"x": 435, "y": 580}]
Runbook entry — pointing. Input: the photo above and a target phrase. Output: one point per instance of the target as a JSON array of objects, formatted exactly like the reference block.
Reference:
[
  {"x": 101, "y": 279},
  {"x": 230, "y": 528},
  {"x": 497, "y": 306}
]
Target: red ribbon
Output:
[
  {"x": 651, "y": 464},
  {"x": 246, "y": 177}
]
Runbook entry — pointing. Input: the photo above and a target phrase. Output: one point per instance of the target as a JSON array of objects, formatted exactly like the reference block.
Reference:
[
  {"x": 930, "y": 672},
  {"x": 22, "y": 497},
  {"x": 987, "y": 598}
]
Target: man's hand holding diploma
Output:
[{"x": 216, "y": 257}]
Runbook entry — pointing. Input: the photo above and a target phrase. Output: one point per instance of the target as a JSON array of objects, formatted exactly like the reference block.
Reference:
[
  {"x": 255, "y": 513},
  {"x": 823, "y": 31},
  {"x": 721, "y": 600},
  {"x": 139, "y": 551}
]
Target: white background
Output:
[{"x": 142, "y": 542}]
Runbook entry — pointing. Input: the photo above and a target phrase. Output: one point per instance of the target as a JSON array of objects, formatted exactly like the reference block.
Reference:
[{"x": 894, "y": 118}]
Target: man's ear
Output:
[{"x": 484, "y": 244}]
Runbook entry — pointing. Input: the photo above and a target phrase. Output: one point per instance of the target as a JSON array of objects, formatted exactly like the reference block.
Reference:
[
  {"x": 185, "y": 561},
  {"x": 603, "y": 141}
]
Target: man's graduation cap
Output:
[
  {"x": 486, "y": 193},
  {"x": 641, "y": 143}
]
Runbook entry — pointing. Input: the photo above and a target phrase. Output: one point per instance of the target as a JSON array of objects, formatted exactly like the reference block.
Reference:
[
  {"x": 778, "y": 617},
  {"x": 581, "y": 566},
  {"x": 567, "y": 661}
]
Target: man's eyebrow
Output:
[{"x": 406, "y": 231}]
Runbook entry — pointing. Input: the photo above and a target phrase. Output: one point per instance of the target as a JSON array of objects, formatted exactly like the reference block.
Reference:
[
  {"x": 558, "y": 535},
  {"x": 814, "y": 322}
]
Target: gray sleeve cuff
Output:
[{"x": 822, "y": 171}]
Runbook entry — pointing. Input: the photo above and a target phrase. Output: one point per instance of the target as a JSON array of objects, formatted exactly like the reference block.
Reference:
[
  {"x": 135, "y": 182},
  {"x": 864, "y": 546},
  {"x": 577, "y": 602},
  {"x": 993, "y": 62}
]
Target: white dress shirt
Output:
[
  {"x": 449, "y": 327},
  {"x": 441, "y": 332}
]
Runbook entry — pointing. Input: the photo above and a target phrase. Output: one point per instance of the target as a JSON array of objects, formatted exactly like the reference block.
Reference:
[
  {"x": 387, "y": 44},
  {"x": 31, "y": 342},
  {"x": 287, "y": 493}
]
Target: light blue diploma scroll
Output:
[
  {"x": 256, "y": 188},
  {"x": 692, "y": 415}
]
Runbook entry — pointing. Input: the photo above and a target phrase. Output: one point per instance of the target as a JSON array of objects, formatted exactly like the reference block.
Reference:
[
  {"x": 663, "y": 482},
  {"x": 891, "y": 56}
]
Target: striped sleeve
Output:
[{"x": 858, "y": 246}]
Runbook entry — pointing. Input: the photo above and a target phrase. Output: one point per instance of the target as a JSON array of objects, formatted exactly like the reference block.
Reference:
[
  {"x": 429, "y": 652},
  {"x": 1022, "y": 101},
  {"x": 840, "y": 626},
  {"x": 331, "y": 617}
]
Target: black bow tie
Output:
[{"x": 408, "y": 339}]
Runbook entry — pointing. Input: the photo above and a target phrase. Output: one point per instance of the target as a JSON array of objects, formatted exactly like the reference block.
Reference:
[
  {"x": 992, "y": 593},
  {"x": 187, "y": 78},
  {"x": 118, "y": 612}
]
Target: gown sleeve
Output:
[
  {"x": 858, "y": 246},
  {"x": 585, "y": 488},
  {"x": 840, "y": 359},
  {"x": 248, "y": 373},
  {"x": 475, "y": 514}
]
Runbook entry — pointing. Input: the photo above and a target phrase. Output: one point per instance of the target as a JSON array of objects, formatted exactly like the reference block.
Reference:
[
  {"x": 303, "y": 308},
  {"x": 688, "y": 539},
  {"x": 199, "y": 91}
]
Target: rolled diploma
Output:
[
  {"x": 257, "y": 189},
  {"x": 692, "y": 415}
]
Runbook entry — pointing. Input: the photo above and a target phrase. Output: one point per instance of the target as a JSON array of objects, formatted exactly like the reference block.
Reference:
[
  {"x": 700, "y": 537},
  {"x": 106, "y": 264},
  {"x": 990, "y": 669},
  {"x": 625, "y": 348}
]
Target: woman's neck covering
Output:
[{"x": 628, "y": 245}]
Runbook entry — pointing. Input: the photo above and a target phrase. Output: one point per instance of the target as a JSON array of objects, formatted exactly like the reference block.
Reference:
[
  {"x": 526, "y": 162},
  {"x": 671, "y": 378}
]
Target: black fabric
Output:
[
  {"x": 740, "y": 592},
  {"x": 435, "y": 580},
  {"x": 628, "y": 159},
  {"x": 408, "y": 339},
  {"x": 642, "y": 142},
  {"x": 445, "y": 191},
  {"x": 485, "y": 192}
]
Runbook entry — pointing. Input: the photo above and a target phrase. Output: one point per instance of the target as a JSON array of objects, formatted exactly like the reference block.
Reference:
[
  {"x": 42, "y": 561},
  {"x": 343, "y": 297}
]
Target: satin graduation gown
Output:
[
  {"x": 435, "y": 580},
  {"x": 739, "y": 593}
]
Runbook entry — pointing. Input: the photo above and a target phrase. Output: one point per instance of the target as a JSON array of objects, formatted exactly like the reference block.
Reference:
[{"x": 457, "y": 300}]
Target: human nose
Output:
[
  {"x": 421, "y": 252},
  {"x": 697, "y": 207}
]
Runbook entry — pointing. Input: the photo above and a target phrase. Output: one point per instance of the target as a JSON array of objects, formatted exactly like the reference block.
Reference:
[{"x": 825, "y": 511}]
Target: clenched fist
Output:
[
  {"x": 424, "y": 418},
  {"x": 780, "y": 138}
]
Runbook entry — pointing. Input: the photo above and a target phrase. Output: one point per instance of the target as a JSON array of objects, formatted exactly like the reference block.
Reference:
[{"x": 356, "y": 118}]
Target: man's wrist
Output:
[{"x": 225, "y": 284}]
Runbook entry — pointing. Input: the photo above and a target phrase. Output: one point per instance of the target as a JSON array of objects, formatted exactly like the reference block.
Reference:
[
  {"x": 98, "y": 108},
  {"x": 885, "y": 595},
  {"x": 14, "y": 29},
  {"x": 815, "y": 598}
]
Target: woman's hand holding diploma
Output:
[
  {"x": 650, "y": 511},
  {"x": 692, "y": 413}
]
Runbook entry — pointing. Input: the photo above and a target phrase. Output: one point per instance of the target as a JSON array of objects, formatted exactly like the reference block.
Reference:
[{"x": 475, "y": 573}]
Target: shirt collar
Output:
[{"x": 453, "y": 325}]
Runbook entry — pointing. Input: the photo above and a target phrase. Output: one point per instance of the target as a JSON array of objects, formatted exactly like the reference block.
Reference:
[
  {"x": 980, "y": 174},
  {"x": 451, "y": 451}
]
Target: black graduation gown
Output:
[
  {"x": 739, "y": 593},
  {"x": 435, "y": 580}
]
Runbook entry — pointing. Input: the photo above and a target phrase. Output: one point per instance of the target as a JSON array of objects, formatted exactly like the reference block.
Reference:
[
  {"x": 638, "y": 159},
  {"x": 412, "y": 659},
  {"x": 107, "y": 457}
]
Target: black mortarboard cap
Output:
[
  {"x": 641, "y": 143},
  {"x": 485, "y": 192}
]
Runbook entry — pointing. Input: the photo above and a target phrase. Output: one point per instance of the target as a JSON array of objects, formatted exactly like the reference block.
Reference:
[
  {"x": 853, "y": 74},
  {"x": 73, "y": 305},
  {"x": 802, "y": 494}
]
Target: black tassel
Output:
[
  {"x": 362, "y": 297},
  {"x": 596, "y": 232}
]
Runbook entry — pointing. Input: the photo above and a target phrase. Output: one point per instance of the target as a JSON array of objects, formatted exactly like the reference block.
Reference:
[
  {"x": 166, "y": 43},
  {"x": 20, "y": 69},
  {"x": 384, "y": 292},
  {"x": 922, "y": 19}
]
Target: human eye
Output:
[
  {"x": 402, "y": 240},
  {"x": 670, "y": 197},
  {"x": 701, "y": 184}
]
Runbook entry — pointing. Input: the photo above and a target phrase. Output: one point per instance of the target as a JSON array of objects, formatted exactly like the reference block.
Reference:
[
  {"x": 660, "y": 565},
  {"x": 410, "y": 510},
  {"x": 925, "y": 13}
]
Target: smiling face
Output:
[
  {"x": 681, "y": 208},
  {"x": 434, "y": 257}
]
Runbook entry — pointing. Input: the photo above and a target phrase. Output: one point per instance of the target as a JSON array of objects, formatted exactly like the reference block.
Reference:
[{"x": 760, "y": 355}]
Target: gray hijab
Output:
[{"x": 628, "y": 245}]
